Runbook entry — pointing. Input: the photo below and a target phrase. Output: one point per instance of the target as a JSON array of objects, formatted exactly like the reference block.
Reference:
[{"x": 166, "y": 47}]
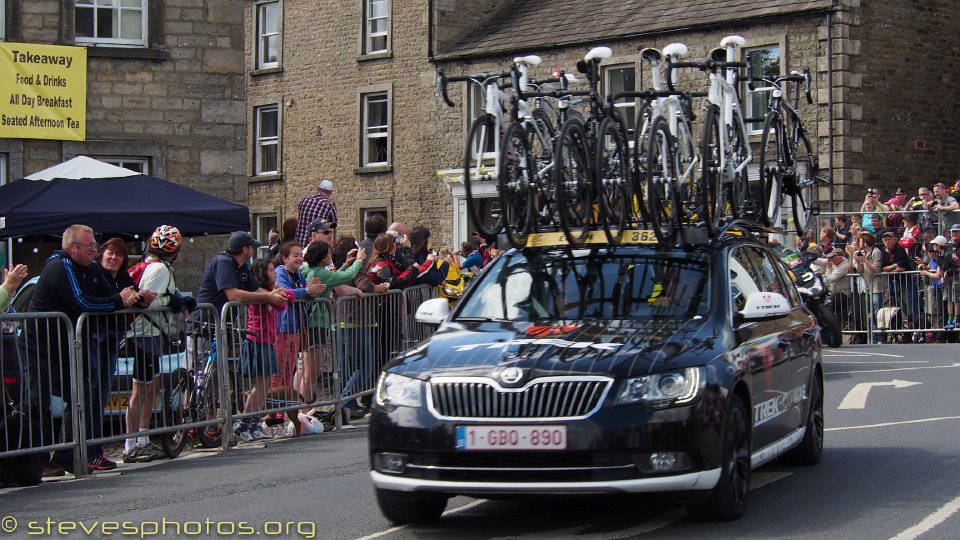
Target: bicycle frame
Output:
[
  {"x": 724, "y": 95},
  {"x": 670, "y": 106}
]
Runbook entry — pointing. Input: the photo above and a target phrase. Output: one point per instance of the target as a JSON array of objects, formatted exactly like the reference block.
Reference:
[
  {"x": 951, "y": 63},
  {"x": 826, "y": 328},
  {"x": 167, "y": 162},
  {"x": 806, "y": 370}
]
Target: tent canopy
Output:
[{"x": 111, "y": 200}]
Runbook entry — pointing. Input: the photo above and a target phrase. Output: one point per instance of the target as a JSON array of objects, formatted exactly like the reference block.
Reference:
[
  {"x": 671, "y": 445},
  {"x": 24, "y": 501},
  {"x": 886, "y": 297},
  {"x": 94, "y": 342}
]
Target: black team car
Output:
[{"x": 604, "y": 370}]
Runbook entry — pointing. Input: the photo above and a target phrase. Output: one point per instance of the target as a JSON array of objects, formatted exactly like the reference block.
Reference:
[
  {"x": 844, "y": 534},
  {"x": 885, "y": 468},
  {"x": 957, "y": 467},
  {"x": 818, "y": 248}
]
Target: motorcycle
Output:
[
  {"x": 456, "y": 281},
  {"x": 813, "y": 289}
]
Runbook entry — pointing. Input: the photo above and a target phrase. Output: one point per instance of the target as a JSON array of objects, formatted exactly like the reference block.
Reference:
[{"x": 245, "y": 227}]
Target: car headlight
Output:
[
  {"x": 398, "y": 391},
  {"x": 662, "y": 389}
]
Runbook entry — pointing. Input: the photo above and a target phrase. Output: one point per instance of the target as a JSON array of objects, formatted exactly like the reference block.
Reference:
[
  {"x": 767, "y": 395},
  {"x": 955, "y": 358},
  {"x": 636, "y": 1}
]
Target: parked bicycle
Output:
[
  {"x": 724, "y": 148},
  {"x": 788, "y": 166}
]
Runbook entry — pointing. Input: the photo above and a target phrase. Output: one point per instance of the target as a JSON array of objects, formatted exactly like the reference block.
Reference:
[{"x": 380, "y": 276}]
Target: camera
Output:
[
  {"x": 934, "y": 203},
  {"x": 858, "y": 254}
]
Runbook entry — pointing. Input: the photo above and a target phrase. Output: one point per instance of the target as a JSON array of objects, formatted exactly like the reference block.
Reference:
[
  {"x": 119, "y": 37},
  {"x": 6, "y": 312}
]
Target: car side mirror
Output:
[
  {"x": 433, "y": 311},
  {"x": 762, "y": 306}
]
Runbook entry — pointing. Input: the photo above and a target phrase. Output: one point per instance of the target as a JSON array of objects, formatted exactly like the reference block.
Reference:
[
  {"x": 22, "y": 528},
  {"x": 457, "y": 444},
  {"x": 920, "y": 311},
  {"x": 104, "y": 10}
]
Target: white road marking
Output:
[
  {"x": 857, "y": 397},
  {"x": 930, "y": 521},
  {"x": 887, "y": 424},
  {"x": 859, "y": 353},
  {"x": 953, "y": 365},
  {"x": 401, "y": 527},
  {"x": 897, "y": 362}
]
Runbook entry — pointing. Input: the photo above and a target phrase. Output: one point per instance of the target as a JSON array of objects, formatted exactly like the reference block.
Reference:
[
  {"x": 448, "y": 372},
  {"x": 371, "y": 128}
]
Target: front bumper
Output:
[{"x": 696, "y": 481}]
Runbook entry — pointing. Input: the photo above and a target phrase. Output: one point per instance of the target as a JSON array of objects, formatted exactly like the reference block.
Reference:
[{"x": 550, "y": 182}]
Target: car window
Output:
[
  {"x": 745, "y": 279},
  {"x": 586, "y": 284},
  {"x": 790, "y": 290}
]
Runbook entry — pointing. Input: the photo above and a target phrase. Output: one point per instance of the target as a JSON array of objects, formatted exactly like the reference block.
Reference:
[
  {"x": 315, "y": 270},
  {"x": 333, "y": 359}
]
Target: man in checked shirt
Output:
[{"x": 316, "y": 206}]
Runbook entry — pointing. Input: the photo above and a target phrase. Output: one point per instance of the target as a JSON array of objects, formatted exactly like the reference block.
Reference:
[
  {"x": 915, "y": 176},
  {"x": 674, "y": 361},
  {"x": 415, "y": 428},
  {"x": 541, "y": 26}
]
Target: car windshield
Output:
[{"x": 585, "y": 284}]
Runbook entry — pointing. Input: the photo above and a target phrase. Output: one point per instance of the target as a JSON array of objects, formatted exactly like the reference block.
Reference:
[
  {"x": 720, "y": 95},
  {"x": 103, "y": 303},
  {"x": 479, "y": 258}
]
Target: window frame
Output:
[
  {"x": 259, "y": 34},
  {"x": 749, "y": 108},
  {"x": 121, "y": 161},
  {"x": 606, "y": 71},
  {"x": 364, "y": 95},
  {"x": 257, "y": 140},
  {"x": 3, "y": 22},
  {"x": 366, "y": 35},
  {"x": 97, "y": 41}
]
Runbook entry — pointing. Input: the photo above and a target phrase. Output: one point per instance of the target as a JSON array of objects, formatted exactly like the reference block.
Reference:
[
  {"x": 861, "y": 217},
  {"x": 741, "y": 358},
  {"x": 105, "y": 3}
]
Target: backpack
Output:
[{"x": 136, "y": 271}]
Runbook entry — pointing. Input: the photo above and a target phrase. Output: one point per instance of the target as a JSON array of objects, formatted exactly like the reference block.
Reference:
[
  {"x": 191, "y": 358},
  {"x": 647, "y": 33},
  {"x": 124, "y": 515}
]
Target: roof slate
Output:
[{"x": 534, "y": 24}]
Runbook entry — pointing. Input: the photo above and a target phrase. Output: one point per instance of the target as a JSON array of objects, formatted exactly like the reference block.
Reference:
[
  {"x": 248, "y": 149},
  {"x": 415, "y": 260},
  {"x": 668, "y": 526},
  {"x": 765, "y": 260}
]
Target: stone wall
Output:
[{"x": 905, "y": 79}]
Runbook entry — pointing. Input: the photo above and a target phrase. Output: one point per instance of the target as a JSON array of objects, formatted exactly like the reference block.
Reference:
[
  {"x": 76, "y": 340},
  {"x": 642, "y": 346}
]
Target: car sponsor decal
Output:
[
  {"x": 562, "y": 343},
  {"x": 768, "y": 410},
  {"x": 552, "y": 330}
]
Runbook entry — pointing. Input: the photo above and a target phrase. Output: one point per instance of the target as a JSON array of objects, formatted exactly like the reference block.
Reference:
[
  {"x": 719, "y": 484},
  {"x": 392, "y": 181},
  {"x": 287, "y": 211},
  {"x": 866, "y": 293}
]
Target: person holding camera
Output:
[
  {"x": 945, "y": 205},
  {"x": 951, "y": 278},
  {"x": 931, "y": 268}
]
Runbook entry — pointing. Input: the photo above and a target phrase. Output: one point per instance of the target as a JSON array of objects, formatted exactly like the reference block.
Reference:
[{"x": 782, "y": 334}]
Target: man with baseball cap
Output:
[
  {"x": 313, "y": 207},
  {"x": 835, "y": 272},
  {"x": 320, "y": 229}
]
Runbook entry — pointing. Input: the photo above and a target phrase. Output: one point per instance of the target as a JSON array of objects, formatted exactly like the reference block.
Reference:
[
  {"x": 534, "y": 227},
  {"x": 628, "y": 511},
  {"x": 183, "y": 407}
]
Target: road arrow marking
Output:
[{"x": 857, "y": 397}]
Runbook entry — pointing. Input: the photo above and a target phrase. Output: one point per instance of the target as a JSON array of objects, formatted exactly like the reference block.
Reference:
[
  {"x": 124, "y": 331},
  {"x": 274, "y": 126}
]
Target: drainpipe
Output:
[{"x": 830, "y": 103}]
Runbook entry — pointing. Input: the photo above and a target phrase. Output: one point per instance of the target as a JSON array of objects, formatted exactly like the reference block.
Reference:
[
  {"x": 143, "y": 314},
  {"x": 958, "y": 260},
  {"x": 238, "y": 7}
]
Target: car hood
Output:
[{"x": 611, "y": 348}]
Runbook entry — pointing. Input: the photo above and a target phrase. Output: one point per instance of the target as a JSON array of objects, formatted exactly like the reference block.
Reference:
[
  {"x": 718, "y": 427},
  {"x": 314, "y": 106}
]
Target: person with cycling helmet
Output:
[{"x": 148, "y": 333}]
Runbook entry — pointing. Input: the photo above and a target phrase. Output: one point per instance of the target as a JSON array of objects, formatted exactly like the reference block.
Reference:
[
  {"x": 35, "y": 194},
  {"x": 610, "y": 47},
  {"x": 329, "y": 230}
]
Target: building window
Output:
[
  {"x": 766, "y": 63},
  {"x": 268, "y": 35},
  {"x": 267, "y": 140},
  {"x": 376, "y": 26},
  {"x": 622, "y": 78},
  {"x": 262, "y": 224},
  {"x": 111, "y": 22},
  {"x": 375, "y": 110},
  {"x": 138, "y": 164}
]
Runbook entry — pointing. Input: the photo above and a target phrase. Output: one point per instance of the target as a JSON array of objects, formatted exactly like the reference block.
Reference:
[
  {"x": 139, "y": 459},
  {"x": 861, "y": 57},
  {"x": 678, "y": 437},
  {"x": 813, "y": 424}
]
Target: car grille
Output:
[
  {"x": 522, "y": 467},
  {"x": 549, "y": 397}
]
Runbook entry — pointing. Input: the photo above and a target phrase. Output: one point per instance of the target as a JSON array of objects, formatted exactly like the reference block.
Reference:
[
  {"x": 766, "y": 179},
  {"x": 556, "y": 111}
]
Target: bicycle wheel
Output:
[
  {"x": 662, "y": 199},
  {"x": 572, "y": 181},
  {"x": 741, "y": 204},
  {"x": 175, "y": 410},
  {"x": 482, "y": 132},
  {"x": 806, "y": 197},
  {"x": 515, "y": 183},
  {"x": 613, "y": 177},
  {"x": 542, "y": 134},
  {"x": 771, "y": 167},
  {"x": 689, "y": 192},
  {"x": 641, "y": 133},
  {"x": 710, "y": 173}
]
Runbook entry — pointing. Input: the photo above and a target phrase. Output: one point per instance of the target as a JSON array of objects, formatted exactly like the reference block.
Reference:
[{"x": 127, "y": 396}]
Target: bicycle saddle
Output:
[
  {"x": 736, "y": 41},
  {"x": 650, "y": 54},
  {"x": 675, "y": 49},
  {"x": 718, "y": 55},
  {"x": 598, "y": 53},
  {"x": 531, "y": 59}
]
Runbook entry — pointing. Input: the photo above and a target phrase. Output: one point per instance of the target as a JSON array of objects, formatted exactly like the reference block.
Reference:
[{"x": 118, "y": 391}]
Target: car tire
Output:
[
  {"x": 810, "y": 450},
  {"x": 830, "y": 331},
  {"x": 402, "y": 507},
  {"x": 728, "y": 500}
]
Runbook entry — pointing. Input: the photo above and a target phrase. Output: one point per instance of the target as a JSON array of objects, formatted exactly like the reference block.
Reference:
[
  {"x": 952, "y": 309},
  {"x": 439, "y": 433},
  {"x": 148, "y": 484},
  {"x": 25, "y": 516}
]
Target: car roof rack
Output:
[{"x": 743, "y": 227}]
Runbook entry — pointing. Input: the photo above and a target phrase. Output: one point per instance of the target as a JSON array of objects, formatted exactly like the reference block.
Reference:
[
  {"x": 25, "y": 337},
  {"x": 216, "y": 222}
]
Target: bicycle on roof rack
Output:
[
  {"x": 724, "y": 148},
  {"x": 788, "y": 166}
]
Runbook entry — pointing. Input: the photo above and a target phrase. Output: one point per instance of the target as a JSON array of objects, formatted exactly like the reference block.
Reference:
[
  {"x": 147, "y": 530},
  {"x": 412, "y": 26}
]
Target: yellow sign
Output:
[
  {"x": 630, "y": 236},
  {"x": 43, "y": 92}
]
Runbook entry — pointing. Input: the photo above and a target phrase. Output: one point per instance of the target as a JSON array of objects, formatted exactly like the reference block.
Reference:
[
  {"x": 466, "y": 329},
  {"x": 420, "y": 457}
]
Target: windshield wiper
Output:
[{"x": 479, "y": 319}]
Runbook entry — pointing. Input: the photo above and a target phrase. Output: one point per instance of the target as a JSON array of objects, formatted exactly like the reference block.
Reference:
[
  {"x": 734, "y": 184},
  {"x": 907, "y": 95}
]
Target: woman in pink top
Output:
[{"x": 258, "y": 357}]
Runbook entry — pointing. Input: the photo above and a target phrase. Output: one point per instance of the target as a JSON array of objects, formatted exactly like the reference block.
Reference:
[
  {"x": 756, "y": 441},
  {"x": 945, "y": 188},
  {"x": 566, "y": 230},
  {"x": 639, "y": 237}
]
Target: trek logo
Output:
[
  {"x": 775, "y": 406},
  {"x": 562, "y": 343},
  {"x": 544, "y": 331}
]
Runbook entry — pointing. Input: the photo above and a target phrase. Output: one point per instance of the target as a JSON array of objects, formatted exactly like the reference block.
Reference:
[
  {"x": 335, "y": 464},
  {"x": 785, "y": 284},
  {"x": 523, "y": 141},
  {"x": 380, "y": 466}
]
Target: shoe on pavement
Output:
[
  {"x": 261, "y": 434},
  {"x": 101, "y": 463},
  {"x": 241, "y": 432}
]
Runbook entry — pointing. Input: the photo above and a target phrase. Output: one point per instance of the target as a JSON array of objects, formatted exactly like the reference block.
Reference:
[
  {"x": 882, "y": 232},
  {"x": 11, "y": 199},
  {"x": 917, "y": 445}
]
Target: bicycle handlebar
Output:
[
  {"x": 706, "y": 65},
  {"x": 443, "y": 80}
]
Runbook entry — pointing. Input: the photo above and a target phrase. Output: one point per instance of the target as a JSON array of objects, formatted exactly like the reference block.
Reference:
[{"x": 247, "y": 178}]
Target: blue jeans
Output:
[{"x": 357, "y": 360}]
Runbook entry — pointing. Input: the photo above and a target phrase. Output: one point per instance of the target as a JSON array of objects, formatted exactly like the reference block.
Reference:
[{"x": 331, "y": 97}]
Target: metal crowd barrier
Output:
[
  {"x": 39, "y": 377},
  {"x": 903, "y": 307},
  {"x": 414, "y": 332}
]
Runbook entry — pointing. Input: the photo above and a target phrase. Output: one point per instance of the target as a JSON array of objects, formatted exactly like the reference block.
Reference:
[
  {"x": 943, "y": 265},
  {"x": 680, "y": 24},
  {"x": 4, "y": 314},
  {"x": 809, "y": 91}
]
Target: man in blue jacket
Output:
[{"x": 71, "y": 282}]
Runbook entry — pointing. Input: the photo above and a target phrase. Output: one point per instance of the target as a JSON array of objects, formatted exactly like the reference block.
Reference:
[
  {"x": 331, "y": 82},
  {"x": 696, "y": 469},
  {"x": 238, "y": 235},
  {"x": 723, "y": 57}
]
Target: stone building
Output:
[
  {"x": 345, "y": 90},
  {"x": 165, "y": 96}
]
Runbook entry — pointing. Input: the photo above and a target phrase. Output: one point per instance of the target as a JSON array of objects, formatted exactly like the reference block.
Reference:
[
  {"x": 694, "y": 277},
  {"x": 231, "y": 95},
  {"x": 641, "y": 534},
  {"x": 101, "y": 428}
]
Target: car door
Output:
[{"x": 767, "y": 347}]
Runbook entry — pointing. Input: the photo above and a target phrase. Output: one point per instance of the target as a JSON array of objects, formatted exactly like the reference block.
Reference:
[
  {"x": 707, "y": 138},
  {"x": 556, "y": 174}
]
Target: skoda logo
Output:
[{"x": 511, "y": 375}]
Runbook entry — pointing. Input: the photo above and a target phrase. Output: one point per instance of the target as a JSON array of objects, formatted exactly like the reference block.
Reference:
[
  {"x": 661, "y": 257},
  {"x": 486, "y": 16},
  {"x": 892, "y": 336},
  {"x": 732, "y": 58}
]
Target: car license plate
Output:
[
  {"x": 117, "y": 402},
  {"x": 511, "y": 437}
]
